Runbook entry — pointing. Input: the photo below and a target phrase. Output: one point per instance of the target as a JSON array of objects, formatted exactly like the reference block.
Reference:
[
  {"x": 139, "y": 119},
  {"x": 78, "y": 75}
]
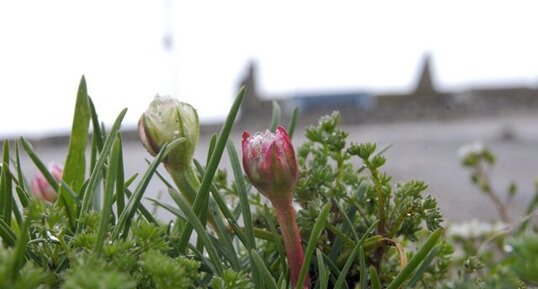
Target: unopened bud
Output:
[
  {"x": 269, "y": 162},
  {"x": 41, "y": 187},
  {"x": 166, "y": 120}
]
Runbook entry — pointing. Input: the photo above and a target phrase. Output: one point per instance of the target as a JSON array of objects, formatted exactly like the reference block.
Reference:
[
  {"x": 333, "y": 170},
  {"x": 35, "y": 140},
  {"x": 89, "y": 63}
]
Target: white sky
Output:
[{"x": 45, "y": 46}]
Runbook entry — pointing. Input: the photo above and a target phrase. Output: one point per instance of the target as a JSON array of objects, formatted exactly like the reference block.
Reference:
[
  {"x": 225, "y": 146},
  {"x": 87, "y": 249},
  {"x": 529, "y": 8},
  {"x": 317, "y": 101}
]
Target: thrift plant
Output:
[{"x": 324, "y": 214}]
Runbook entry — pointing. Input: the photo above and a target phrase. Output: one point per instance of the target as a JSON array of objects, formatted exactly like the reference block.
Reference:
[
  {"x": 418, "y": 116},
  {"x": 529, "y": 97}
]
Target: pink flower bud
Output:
[
  {"x": 270, "y": 164},
  {"x": 42, "y": 189}
]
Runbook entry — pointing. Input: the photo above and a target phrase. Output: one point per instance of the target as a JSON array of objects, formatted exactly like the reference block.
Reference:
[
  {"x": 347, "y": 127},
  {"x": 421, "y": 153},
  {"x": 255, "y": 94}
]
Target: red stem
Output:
[{"x": 292, "y": 240}]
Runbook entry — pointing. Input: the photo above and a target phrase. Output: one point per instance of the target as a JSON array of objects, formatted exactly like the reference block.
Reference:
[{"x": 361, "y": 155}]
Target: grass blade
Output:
[
  {"x": 423, "y": 267},
  {"x": 108, "y": 195},
  {"x": 120, "y": 183},
  {"x": 374, "y": 278},
  {"x": 342, "y": 277},
  {"x": 124, "y": 221},
  {"x": 23, "y": 193},
  {"x": 97, "y": 170},
  {"x": 143, "y": 210},
  {"x": 277, "y": 114},
  {"x": 312, "y": 241},
  {"x": 416, "y": 260},
  {"x": 202, "y": 197},
  {"x": 22, "y": 241},
  {"x": 323, "y": 279},
  {"x": 7, "y": 234},
  {"x": 97, "y": 134},
  {"x": 221, "y": 203},
  {"x": 243, "y": 197},
  {"x": 270, "y": 282},
  {"x": 244, "y": 204},
  {"x": 75, "y": 162},
  {"x": 293, "y": 122},
  {"x": 6, "y": 195},
  {"x": 362, "y": 263},
  {"x": 201, "y": 231},
  {"x": 212, "y": 143}
]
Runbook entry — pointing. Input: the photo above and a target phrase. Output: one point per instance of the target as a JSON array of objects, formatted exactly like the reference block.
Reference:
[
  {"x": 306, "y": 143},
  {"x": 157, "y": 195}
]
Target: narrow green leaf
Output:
[
  {"x": 89, "y": 191},
  {"x": 226, "y": 242},
  {"x": 120, "y": 183},
  {"x": 201, "y": 232},
  {"x": 323, "y": 275},
  {"x": 7, "y": 234},
  {"x": 108, "y": 195},
  {"x": 347, "y": 218},
  {"x": 23, "y": 195},
  {"x": 97, "y": 134},
  {"x": 423, "y": 267},
  {"x": 334, "y": 270},
  {"x": 202, "y": 197},
  {"x": 39, "y": 164},
  {"x": 176, "y": 212},
  {"x": 374, "y": 278},
  {"x": 6, "y": 191},
  {"x": 129, "y": 181},
  {"x": 6, "y": 196},
  {"x": 221, "y": 203},
  {"x": 75, "y": 162},
  {"x": 342, "y": 278},
  {"x": 22, "y": 241},
  {"x": 211, "y": 149},
  {"x": 124, "y": 221},
  {"x": 16, "y": 212},
  {"x": 243, "y": 197},
  {"x": 277, "y": 114},
  {"x": 362, "y": 263},
  {"x": 142, "y": 209},
  {"x": 293, "y": 122},
  {"x": 258, "y": 262},
  {"x": 312, "y": 241},
  {"x": 244, "y": 203},
  {"x": 416, "y": 260}
]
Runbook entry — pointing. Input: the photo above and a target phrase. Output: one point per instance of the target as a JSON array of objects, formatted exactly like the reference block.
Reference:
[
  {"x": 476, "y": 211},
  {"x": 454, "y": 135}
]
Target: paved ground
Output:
[{"x": 421, "y": 150}]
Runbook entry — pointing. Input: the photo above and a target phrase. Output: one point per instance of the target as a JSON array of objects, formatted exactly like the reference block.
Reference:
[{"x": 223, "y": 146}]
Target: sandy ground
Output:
[{"x": 420, "y": 150}]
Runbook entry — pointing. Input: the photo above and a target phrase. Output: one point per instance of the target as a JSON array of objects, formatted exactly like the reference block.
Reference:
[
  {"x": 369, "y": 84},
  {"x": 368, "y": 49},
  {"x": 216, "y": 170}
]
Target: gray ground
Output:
[{"x": 421, "y": 150}]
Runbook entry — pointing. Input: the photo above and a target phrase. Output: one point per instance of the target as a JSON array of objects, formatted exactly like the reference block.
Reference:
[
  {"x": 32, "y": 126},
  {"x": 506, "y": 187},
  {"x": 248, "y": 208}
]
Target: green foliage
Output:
[
  {"x": 165, "y": 272},
  {"x": 524, "y": 256},
  {"x": 362, "y": 197},
  {"x": 29, "y": 276},
  {"x": 359, "y": 228},
  {"x": 232, "y": 280},
  {"x": 88, "y": 272}
]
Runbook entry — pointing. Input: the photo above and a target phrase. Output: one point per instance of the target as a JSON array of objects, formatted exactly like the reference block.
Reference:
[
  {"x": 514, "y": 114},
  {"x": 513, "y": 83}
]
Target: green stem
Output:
[
  {"x": 487, "y": 188},
  {"x": 382, "y": 215},
  {"x": 186, "y": 181},
  {"x": 292, "y": 240},
  {"x": 188, "y": 184}
]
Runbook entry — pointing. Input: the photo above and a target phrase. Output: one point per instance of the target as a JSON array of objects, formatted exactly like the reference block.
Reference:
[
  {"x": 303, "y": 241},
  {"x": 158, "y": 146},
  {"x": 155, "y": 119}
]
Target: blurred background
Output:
[{"x": 425, "y": 76}]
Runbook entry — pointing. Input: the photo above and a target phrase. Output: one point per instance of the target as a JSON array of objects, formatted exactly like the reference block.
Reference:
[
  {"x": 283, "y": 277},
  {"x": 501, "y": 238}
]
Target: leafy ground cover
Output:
[{"x": 357, "y": 228}]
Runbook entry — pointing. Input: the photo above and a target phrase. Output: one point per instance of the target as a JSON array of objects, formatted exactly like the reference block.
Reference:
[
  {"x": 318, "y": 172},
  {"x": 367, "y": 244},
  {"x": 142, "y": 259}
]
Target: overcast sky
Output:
[{"x": 45, "y": 46}]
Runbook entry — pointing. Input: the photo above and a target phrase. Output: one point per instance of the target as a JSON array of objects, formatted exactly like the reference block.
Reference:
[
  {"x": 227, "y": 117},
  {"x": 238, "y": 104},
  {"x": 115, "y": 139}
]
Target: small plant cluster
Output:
[{"x": 324, "y": 215}]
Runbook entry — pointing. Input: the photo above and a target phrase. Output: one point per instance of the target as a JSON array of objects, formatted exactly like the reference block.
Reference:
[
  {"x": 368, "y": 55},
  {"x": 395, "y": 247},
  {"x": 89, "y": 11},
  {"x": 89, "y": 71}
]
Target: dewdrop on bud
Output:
[
  {"x": 269, "y": 162},
  {"x": 166, "y": 120},
  {"x": 41, "y": 187}
]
